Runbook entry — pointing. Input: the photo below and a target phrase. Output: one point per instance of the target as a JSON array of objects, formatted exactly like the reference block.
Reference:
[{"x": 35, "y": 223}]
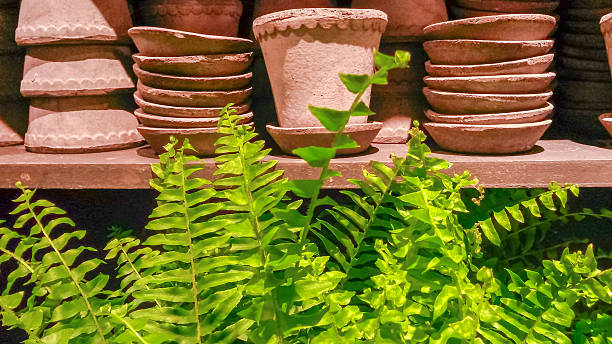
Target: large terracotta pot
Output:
[
  {"x": 13, "y": 122},
  {"x": 606, "y": 29},
  {"x": 269, "y": 6},
  {"x": 212, "y": 17},
  {"x": 407, "y": 18},
  {"x": 305, "y": 49},
  {"x": 73, "y": 21}
]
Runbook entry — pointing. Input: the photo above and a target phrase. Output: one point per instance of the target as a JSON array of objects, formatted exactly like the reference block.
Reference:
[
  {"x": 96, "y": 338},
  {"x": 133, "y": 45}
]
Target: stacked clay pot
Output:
[
  {"x": 184, "y": 81},
  {"x": 461, "y": 9},
  {"x": 401, "y": 102},
  {"x": 606, "y": 29},
  {"x": 488, "y": 83},
  {"x": 585, "y": 85},
  {"x": 13, "y": 108},
  {"x": 305, "y": 72},
  {"x": 77, "y": 74}
]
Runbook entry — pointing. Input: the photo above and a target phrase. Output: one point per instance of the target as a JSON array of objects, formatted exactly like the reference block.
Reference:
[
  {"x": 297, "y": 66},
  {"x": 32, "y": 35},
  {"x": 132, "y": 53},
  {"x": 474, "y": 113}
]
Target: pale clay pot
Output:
[
  {"x": 305, "y": 49},
  {"x": 606, "y": 29}
]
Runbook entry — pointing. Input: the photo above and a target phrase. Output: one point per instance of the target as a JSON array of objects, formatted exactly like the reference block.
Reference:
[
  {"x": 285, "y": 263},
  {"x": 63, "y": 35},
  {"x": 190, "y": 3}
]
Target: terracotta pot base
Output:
[
  {"x": 532, "y": 65},
  {"x": 196, "y": 66},
  {"x": 496, "y": 84},
  {"x": 289, "y": 139},
  {"x": 606, "y": 121},
  {"x": 154, "y": 121},
  {"x": 528, "y": 116},
  {"x": 186, "y": 112},
  {"x": 487, "y": 139},
  {"x": 183, "y": 83},
  {"x": 193, "y": 98},
  {"x": 473, "y": 52}
]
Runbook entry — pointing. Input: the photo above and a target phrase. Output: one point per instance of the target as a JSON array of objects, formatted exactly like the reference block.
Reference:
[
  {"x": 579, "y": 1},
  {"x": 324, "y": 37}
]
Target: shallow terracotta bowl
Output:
[
  {"x": 196, "y": 66},
  {"x": 184, "y": 83},
  {"x": 471, "y": 52},
  {"x": 155, "y": 121},
  {"x": 186, "y": 112},
  {"x": 527, "y": 116},
  {"x": 499, "y": 84}
]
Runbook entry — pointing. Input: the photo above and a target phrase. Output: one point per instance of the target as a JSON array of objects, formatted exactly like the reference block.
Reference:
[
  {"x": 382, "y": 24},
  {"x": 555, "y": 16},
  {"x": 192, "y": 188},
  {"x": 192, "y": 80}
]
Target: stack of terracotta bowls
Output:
[
  {"x": 488, "y": 84},
  {"x": 185, "y": 79},
  {"x": 461, "y": 9},
  {"x": 585, "y": 86}
]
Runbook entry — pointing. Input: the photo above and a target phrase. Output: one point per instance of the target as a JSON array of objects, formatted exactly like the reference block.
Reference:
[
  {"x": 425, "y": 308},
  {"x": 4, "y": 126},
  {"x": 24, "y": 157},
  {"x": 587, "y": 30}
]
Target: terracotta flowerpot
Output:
[
  {"x": 269, "y": 6},
  {"x": 606, "y": 120},
  {"x": 77, "y": 70},
  {"x": 407, "y": 18},
  {"x": 527, "y": 116},
  {"x": 212, "y": 17},
  {"x": 72, "y": 21},
  {"x": 472, "y": 52},
  {"x": 184, "y": 83},
  {"x": 154, "y": 121},
  {"x": 11, "y": 72},
  {"x": 13, "y": 123},
  {"x": 196, "y": 66},
  {"x": 81, "y": 124},
  {"x": 186, "y": 112},
  {"x": 606, "y": 29},
  {"x": 193, "y": 98},
  {"x": 532, "y": 65},
  {"x": 495, "y": 84},
  {"x": 202, "y": 139},
  {"x": 8, "y": 24},
  {"x": 304, "y": 51}
]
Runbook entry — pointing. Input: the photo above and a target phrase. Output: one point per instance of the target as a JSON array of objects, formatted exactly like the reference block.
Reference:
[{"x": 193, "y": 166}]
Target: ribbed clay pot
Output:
[
  {"x": 269, "y": 6},
  {"x": 305, "y": 49},
  {"x": 606, "y": 29},
  {"x": 407, "y": 18},
  {"x": 211, "y": 17},
  {"x": 72, "y": 21}
]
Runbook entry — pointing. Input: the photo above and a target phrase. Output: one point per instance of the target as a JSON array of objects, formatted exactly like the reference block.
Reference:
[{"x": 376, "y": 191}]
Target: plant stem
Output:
[
  {"x": 127, "y": 258},
  {"x": 129, "y": 327}
]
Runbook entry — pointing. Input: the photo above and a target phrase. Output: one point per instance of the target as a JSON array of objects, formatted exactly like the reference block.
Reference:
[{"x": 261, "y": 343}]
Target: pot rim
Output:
[{"x": 489, "y": 126}]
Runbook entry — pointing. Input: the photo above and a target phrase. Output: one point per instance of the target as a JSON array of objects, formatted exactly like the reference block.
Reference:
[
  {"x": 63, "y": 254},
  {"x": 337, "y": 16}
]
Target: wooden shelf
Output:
[{"x": 563, "y": 161}]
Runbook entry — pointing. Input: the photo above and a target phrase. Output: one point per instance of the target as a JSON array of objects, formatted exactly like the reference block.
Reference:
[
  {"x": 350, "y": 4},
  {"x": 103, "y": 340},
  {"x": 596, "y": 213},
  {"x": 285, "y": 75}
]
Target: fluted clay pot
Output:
[
  {"x": 305, "y": 49},
  {"x": 606, "y": 29},
  {"x": 269, "y": 6},
  {"x": 13, "y": 122},
  {"x": 407, "y": 18},
  {"x": 72, "y": 21},
  {"x": 211, "y": 17}
]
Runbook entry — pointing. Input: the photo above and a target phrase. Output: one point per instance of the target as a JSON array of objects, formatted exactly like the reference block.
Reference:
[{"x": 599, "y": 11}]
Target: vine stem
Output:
[
  {"x": 129, "y": 327},
  {"x": 127, "y": 258}
]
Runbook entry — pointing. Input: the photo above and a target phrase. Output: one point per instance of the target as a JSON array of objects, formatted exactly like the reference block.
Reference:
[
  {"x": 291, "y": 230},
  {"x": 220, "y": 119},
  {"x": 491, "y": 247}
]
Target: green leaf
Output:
[
  {"x": 355, "y": 83},
  {"x": 488, "y": 228},
  {"x": 362, "y": 110},
  {"x": 316, "y": 156},
  {"x": 383, "y": 61},
  {"x": 303, "y": 188},
  {"x": 343, "y": 141},
  {"x": 381, "y": 77},
  {"x": 442, "y": 300},
  {"x": 332, "y": 120},
  {"x": 402, "y": 58}
]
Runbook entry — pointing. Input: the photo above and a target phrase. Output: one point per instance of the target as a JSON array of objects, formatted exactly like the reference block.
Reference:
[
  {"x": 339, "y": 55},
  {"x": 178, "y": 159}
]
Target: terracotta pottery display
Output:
[
  {"x": 407, "y": 18},
  {"x": 289, "y": 139},
  {"x": 149, "y": 120},
  {"x": 196, "y": 66},
  {"x": 81, "y": 125},
  {"x": 70, "y": 21},
  {"x": 471, "y": 52},
  {"x": 304, "y": 51},
  {"x": 11, "y": 71},
  {"x": 509, "y": 27},
  {"x": 269, "y": 6},
  {"x": 488, "y": 139},
  {"x": 500, "y": 84},
  {"x": 202, "y": 139},
  {"x": 606, "y": 29},
  {"x": 527, "y": 116},
  {"x": 186, "y": 112},
  {"x": 212, "y": 17},
  {"x": 76, "y": 70},
  {"x": 8, "y": 23},
  {"x": 606, "y": 121},
  {"x": 183, "y": 83},
  {"x": 154, "y": 41},
  {"x": 13, "y": 123},
  {"x": 193, "y": 98},
  {"x": 510, "y": 6},
  {"x": 532, "y": 65},
  {"x": 472, "y": 103}
]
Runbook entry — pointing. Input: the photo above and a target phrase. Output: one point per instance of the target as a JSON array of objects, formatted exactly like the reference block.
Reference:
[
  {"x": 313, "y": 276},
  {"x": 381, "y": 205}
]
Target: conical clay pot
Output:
[
  {"x": 606, "y": 29},
  {"x": 73, "y": 21},
  {"x": 407, "y": 18},
  {"x": 212, "y": 17},
  {"x": 305, "y": 49}
]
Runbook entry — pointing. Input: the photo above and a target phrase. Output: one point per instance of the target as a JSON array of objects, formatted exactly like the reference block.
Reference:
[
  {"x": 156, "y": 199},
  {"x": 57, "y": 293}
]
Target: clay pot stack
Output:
[
  {"x": 488, "y": 84},
  {"x": 461, "y": 9},
  {"x": 585, "y": 86},
  {"x": 401, "y": 102},
  {"x": 13, "y": 108},
  {"x": 77, "y": 74},
  {"x": 185, "y": 79}
]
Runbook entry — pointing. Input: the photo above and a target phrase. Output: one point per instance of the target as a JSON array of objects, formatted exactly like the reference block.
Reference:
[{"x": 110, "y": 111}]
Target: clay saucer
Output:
[
  {"x": 186, "y": 112},
  {"x": 487, "y": 139},
  {"x": 156, "y": 41},
  {"x": 510, "y": 6},
  {"x": 508, "y": 27},
  {"x": 532, "y": 65},
  {"x": 289, "y": 139},
  {"x": 471, "y": 52},
  {"x": 472, "y": 103},
  {"x": 583, "y": 75},
  {"x": 183, "y": 83},
  {"x": 583, "y": 64},
  {"x": 528, "y": 116},
  {"x": 606, "y": 120},
  {"x": 584, "y": 91},
  {"x": 196, "y": 66},
  {"x": 500, "y": 84},
  {"x": 149, "y": 120},
  {"x": 193, "y": 98},
  {"x": 202, "y": 139},
  {"x": 583, "y": 40}
]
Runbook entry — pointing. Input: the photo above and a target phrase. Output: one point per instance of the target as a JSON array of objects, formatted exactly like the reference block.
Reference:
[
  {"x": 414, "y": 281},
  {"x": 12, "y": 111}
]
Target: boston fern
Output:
[{"x": 414, "y": 256}]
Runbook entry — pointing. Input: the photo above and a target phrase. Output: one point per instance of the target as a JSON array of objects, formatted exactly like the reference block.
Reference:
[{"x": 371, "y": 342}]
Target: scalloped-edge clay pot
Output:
[
  {"x": 583, "y": 64},
  {"x": 606, "y": 29},
  {"x": 510, "y": 6},
  {"x": 13, "y": 123},
  {"x": 184, "y": 83},
  {"x": 202, "y": 139},
  {"x": 77, "y": 70},
  {"x": 606, "y": 121},
  {"x": 487, "y": 139},
  {"x": 196, "y": 66},
  {"x": 407, "y": 18},
  {"x": 527, "y": 116},
  {"x": 81, "y": 125},
  {"x": 472, "y": 103},
  {"x": 496, "y": 84},
  {"x": 161, "y": 42},
  {"x": 584, "y": 91},
  {"x": 582, "y": 123},
  {"x": 507, "y": 27},
  {"x": 305, "y": 49},
  {"x": 583, "y": 75},
  {"x": 212, "y": 17},
  {"x": 73, "y": 22},
  {"x": 186, "y": 112},
  {"x": 532, "y": 65},
  {"x": 193, "y": 98},
  {"x": 580, "y": 52},
  {"x": 11, "y": 72},
  {"x": 8, "y": 24},
  {"x": 149, "y": 120},
  {"x": 289, "y": 139},
  {"x": 269, "y": 6},
  {"x": 472, "y": 52}
]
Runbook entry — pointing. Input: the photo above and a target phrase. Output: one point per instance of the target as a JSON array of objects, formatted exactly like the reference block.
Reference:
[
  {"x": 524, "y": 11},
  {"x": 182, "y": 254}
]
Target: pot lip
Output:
[
  {"x": 143, "y": 88},
  {"x": 168, "y": 131},
  {"x": 140, "y": 57},
  {"x": 350, "y": 128},
  {"x": 138, "y": 98},
  {"x": 530, "y": 60},
  {"x": 141, "y": 72},
  {"x": 427, "y": 90},
  {"x": 606, "y": 117},
  {"x": 326, "y": 18},
  {"x": 549, "y": 107},
  {"x": 489, "y": 42},
  {"x": 474, "y": 21},
  {"x": 141, "y": 113},
  {"x": 501, "y": 77},
  {"x": 605, "y": 20},
  {"x": 538, "y": 124},
  {"x": 139, "y": 30}
]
